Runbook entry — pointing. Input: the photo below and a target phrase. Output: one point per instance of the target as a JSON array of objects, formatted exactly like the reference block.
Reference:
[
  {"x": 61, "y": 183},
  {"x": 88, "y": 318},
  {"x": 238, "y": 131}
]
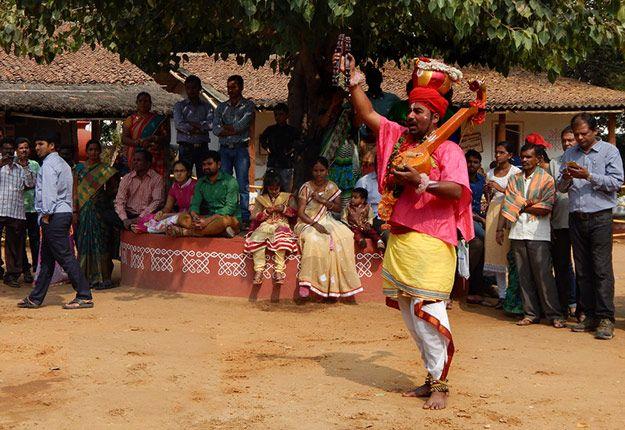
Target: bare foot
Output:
[
  {"x": 422, "y": 391},
  {"x": 437, "y": 400}
]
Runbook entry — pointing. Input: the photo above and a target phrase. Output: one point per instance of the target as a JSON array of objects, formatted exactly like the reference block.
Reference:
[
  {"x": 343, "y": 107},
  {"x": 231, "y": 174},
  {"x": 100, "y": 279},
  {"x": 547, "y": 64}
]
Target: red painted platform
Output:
[{"x": 218, "y": 266}]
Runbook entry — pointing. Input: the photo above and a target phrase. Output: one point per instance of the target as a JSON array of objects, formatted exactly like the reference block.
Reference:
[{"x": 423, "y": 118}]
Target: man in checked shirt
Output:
[{"x": 15, "y": 177}]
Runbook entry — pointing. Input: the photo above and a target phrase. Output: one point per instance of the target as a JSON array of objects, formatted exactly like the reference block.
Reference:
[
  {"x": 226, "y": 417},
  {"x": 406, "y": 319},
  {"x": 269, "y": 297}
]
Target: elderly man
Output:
[
  {"x": 527, "y": 206},
  {"x": 15, "y": 177},
  {"x": 592, "y": 173},
  {"x": 420, "y": 260},
  {"x": 215, "y": 207},
  {"x": 53, "y": 202},
  {"x": 232, "y": 122},
  {"x": 140, "y": 192}
]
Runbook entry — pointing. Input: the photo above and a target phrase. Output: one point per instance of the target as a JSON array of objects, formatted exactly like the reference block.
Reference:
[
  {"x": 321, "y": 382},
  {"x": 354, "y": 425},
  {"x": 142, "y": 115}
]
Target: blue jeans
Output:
[
  {"x": 194, "y": 155},
  {"x": 238, "y": 159},
  {"x": 479, "y": 230}
]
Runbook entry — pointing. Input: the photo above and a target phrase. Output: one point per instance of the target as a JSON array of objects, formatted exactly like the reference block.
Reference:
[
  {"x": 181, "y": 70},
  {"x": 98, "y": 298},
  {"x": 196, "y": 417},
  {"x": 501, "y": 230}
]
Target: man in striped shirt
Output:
[
  {"x": 14, "y": 179},
  {"x": 140, "y": 192}
]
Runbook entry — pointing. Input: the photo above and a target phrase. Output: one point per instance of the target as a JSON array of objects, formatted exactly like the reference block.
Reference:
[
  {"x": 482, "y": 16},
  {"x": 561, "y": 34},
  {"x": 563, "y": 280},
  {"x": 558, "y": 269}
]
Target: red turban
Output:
[
  {"x": 430, "y": 98},
  {"x": 537, "y": 139}
]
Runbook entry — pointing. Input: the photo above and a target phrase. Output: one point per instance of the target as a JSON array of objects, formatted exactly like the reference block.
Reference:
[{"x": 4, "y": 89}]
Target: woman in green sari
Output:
[
  {"x": 92, "y": 200},
  {"x": 339, "y": 148}
]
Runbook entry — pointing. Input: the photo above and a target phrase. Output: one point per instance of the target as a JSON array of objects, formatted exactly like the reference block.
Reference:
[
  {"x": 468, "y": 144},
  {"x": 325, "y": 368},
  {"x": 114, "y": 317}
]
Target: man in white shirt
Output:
[{"x": 527, "y": 206}]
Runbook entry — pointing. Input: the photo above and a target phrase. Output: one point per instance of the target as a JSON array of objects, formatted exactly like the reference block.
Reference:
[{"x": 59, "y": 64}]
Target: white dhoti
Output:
[{"x": 428, "y": 324}]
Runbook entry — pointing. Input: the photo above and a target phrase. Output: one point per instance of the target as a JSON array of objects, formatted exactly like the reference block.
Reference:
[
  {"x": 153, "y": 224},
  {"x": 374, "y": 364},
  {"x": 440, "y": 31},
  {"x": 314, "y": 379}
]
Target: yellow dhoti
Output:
[{"x": 418, "y": 265}]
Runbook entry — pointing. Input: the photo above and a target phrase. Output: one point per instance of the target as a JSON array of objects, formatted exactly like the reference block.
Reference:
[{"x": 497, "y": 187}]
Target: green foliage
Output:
[{"x": 537, "y": 34}]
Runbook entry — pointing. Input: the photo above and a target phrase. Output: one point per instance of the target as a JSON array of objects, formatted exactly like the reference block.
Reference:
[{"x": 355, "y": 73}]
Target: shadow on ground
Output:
[{"x": 357, "y": 368}]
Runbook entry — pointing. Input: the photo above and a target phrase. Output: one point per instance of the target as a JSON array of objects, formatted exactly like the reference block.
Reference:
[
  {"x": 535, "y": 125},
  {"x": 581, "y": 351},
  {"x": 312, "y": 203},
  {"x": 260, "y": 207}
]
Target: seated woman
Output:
[
  {"x": 328, "y": 264},
  {"x": 178, "y": 202},
  {"x": 270, "y": 228}
]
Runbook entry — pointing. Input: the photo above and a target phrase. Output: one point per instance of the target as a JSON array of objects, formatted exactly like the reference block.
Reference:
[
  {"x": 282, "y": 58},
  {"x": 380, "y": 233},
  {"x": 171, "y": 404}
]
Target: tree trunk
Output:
[{"x": 310, "y": 94}]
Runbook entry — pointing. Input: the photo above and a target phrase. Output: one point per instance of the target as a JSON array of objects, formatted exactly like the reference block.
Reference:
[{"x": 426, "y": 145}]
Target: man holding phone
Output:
[{"x": 592, "y": 173}]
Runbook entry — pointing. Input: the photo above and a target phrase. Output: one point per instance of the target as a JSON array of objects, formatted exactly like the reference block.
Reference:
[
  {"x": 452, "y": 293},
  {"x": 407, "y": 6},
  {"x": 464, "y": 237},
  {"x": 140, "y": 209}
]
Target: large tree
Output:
[{"x": 297, "y": 36}]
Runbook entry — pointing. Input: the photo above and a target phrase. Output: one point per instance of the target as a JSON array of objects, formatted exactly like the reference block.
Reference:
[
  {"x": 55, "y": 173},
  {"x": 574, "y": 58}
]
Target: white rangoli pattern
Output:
[{"x": 227, "y": 264}]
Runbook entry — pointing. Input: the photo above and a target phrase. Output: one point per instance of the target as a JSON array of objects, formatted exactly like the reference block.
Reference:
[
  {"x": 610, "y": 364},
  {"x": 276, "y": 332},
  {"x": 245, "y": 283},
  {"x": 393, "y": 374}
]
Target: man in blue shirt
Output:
[
  {"x": 231, "y": 124},
  {"x": 53, "y": 202},
  {"x": 193, "y": 119},
  {"x": 592, "y": 173},
  {"x": 476, "y": 246}
]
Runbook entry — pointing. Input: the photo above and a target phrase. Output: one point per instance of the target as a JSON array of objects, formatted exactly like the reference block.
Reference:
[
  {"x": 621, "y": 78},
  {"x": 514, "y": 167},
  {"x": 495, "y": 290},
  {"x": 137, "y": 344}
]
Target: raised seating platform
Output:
[{"x": 218, "y": 266}]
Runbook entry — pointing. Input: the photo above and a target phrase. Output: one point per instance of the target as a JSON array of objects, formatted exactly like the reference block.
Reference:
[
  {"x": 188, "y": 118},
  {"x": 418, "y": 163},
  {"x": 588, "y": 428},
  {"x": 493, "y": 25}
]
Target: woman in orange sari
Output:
[{"x": 147, "y": 130}]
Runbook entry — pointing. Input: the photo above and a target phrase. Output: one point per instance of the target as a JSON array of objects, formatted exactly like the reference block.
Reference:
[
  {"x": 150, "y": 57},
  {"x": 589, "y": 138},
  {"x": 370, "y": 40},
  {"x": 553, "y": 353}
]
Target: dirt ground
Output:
[{"x": 146, "y": 359}]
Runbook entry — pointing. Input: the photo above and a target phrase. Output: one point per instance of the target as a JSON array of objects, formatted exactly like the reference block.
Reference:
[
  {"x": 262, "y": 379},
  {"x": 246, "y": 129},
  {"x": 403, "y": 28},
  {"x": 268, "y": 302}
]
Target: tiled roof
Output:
[
  {"x": 262, "y": 85},
  {"x": 82, "y": 84},
  {"x": 85, "y": 66},
  {"x": 519, "y": 91}
]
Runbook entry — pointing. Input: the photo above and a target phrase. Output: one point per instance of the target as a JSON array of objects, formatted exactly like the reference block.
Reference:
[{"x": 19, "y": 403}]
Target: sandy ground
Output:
[{"x": 146, "y": 359}]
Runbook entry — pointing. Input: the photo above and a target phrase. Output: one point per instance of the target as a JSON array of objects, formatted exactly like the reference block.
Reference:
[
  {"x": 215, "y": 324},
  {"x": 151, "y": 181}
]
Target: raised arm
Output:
[{"x": 362, "y": 106}]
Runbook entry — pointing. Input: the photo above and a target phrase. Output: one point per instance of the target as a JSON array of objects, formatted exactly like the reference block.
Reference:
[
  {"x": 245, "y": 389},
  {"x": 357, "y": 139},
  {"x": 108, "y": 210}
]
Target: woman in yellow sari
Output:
[
  {"x": 328, "y": 264},
  {"x": 270, "y": 228}
]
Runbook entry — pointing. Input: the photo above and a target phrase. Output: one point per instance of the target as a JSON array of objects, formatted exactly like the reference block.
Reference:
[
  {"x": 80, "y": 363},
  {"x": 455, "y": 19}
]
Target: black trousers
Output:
[
  {"x": 55, "y": 248},
  {"x": 591, "y": 236},
  {"x": 32, "y": 231},
  {"x": 563, "y": 267},
  {"x": 13, "y": 245},
  {"x": 476, "y": 265}
]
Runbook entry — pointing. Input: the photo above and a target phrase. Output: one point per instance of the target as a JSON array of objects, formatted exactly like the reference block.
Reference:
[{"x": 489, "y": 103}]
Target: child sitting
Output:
[
  {"x": 270, "y": 228},
  {"x": 358, "y": 215}
]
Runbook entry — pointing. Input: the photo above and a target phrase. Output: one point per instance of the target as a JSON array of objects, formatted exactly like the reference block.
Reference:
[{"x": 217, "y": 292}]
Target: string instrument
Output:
[
  {"x": 343, "y": 47},
  {"x": 420, "y": 157}
]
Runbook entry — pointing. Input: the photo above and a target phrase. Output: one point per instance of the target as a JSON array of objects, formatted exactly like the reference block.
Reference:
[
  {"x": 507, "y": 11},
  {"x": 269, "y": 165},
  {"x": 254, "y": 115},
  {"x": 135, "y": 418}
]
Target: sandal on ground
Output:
[
  {"x": 258, "y": 278},
  {"x": 279, "y": 278},
  {"x": 105, "y": 285},
  {"x": 526, "y": 321},
  {"x": 558, "y": 323},
  {"x": 78, "y": 304},
  {"x": 475, "y": 300},
  {"x": 27, "y": 303},
  {"x": 489, "y": 304}
]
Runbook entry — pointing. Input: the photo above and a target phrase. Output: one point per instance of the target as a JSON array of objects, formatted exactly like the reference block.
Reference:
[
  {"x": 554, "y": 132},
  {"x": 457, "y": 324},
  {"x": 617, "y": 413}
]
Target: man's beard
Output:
[{"x": 418, "y": 134}]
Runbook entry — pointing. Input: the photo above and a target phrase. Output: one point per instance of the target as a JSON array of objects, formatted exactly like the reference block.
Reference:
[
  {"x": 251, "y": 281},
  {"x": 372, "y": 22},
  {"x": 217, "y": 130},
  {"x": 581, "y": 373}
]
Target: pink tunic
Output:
[
  {"x": 425, "y": 212},
  {"x": 183, "y": 194}
]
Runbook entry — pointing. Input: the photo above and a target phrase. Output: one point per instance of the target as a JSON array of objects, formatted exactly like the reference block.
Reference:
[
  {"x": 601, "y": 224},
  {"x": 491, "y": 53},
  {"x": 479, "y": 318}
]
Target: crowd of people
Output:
[
  {"x": 530, "y": 219},
  {"x": 523, "y": 217}
]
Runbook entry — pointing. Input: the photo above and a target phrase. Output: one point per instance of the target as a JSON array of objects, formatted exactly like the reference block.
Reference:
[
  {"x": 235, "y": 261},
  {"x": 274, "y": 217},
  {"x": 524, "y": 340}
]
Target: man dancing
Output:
[{"x": 420, "y": 261}]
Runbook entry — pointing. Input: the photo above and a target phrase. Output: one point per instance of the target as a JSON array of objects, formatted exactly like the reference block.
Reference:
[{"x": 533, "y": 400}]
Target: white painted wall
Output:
[{"x": 548, "y": 124}]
